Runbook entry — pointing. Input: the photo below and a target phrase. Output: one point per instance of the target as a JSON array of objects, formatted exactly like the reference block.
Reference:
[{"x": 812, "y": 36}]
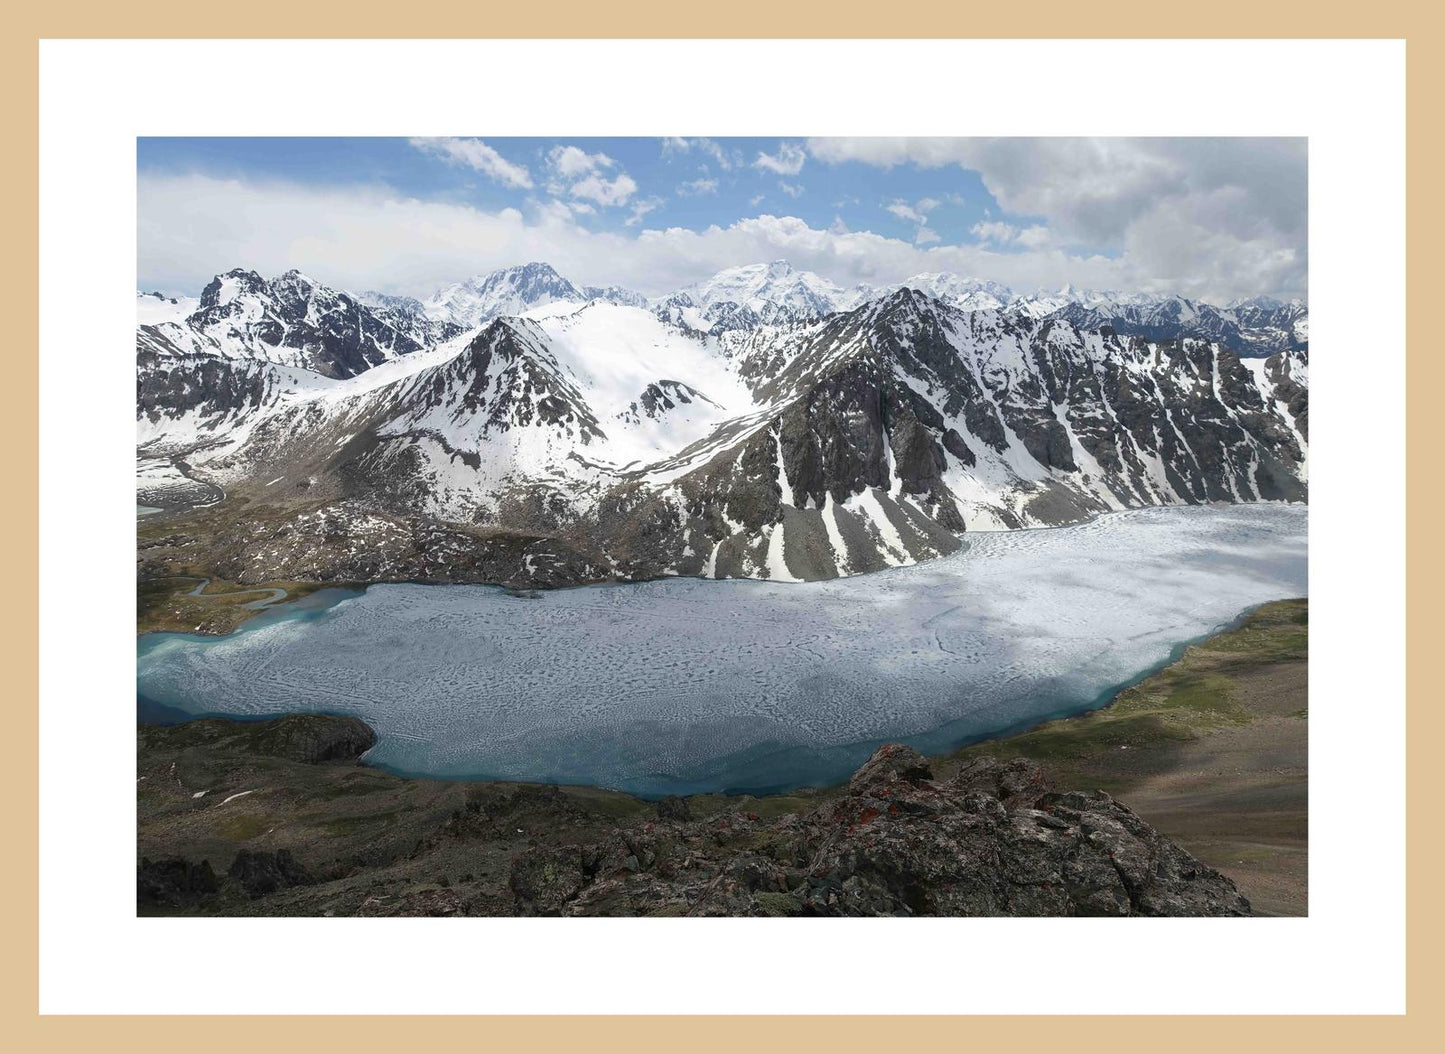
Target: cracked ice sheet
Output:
[{"x": 685, "y": 685}]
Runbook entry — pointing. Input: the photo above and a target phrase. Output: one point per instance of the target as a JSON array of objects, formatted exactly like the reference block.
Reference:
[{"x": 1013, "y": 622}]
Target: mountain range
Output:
[{"x": 520, "y": 428}]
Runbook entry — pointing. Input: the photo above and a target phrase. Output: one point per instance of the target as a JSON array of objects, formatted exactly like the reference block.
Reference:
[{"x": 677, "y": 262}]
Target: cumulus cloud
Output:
[
  {"x": 580, "y": 175},
  {"x": 790, "y": 189},
  {"x": 916, "y": 213},
  {"x": 995, "y": 231},
  {"x": 473, "y": 153},
  {"x": 788, "y": 161},
  {"x": 697, "y": 186},
  {"x": 641, "y": 209},
  {"x": 605, "y": 191},
  {"x": 905, "y": 211},
  {"x": 726, "y": 160},
  {"x": 1034, "y": 237},
  {"x": 998, "y": 232},
  {"x": 192, "y": 226},
  {"x": 1203, "y": 216},
  {"x": 1213, "y": 219},
  {"x": 573, "y": 161}
]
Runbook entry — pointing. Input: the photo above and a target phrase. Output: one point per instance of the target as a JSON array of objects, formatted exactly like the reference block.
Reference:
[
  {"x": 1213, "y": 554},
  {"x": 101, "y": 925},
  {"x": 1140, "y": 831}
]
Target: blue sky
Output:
[{"x": 1213, "y": 218}]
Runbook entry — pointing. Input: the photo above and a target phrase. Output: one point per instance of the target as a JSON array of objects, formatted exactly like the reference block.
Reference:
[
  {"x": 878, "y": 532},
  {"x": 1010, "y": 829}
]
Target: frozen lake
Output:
[{"x": 687, "y": 685}]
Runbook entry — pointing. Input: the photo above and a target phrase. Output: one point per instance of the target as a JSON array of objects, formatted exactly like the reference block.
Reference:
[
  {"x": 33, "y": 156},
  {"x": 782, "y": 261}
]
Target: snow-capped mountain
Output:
[
  {"x": 593, "y": 440},
  {"x": 510, "y": 291},
  {"x": 407, "y": 305},
  {"x": 516, "y": 291},
  {"x": 969, "y": 294},
  {"x": 744, "y": 298},
  {"x": 152, "y": 309},
  {"x": 758, "y": 294},
  {"x": 1251, "y": 328},
  {"x": 293, "y": 321},
  {"x": 614, "y": 294}
]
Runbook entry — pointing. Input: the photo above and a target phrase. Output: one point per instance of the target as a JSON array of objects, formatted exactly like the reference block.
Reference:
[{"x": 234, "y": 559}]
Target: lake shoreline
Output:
[
  {"x": 150, "y": 712},
  {"x": 347, "y": 800},
  {"x": 523, "y": 591},
  {"x": 962, "y": 650}
]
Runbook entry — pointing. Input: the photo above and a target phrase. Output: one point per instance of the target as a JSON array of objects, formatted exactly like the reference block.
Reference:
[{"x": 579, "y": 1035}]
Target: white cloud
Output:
[
  {"x": 998, "y": 232},
  {"x": 552, "y": 211},
  {"x": 917, "y": 213},
  {"x": 641, "y": 209},
  {"x": 790, "y": 189},
  {"x": 571, "y": 161},
  {"x": 1189, "y": 214},
  {"x": 788, "y": 161},
  {"x": 191, "y": 227},
  {"x": 725, "y": 160},
  {"x": 580, "y": 175},
  {"x": 605, "y": 191},
  {"x": 1034, "y": 237},
  {"x": 905, "y": 211},
  {"x": 697, "y": 186},
  {"x": 995, "y": 231},
  {"x": 756, "y": 200},
  {"x": 476, "y": 154}
]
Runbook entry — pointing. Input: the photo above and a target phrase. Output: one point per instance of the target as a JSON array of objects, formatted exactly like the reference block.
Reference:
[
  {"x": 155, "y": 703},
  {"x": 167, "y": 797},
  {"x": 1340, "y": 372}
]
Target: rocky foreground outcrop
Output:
[
  {"x": 277, "y": 818},
  {"x": 992, "y": 840}
]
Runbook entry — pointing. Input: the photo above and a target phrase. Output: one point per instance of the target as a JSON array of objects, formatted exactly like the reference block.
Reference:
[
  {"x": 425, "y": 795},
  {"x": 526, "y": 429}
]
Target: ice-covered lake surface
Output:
[{"x": 687, "y": 685}]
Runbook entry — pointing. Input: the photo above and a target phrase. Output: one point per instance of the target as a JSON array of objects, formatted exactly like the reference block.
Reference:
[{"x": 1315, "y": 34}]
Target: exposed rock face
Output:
[
  {"x": 259, "y": 873},
  {"x": 335, "y": 838},
  {"x": 314, "y": 738},
  {"x": 305, "y": 324},
  {"x": 173, "y": 882},
  {"x": 993, "y": 840},
  {"x": 172, "y": 379}
]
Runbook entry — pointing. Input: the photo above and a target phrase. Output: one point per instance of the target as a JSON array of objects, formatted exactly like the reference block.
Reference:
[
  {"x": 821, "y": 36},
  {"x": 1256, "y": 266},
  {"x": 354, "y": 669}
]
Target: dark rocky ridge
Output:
[
  {"x": 331, "y": 332},
  {"x": 325, "y": 837}
]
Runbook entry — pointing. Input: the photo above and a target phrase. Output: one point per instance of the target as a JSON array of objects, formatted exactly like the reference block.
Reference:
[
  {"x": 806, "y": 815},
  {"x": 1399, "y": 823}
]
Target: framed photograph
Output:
[{"x": 750, "y": 480}]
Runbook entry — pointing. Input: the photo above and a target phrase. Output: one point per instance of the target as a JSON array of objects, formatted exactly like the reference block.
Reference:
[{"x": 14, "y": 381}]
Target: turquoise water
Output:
[{"x": 685, "y": 685}]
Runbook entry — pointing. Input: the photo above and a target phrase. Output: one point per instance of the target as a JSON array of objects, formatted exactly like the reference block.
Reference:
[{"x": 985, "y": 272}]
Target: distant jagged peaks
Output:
[
  {"x": 293, "y": 320},
  {"x": 626, "y": 442},
  {"x": 764, "y": 288},
  {"x": 510, "y": 291},
  {"x": 241, "y": 307}
]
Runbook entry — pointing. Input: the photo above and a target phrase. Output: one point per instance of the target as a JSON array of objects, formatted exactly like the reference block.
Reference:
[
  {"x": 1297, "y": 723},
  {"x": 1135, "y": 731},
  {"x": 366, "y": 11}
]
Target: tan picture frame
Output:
[{"x": 650, "y": 18}]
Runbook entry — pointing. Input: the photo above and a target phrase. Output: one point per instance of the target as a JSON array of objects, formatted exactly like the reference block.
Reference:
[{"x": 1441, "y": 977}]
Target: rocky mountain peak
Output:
[{"x": 234, "y": 283}]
